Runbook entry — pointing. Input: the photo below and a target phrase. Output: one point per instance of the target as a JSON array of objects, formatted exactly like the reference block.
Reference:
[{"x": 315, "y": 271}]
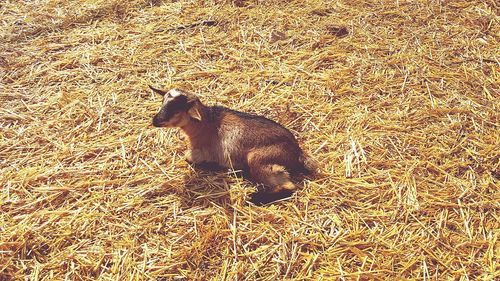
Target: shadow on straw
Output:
[
  {"x": 206, "y": 186},
  {"x": 211, "y": 180}
]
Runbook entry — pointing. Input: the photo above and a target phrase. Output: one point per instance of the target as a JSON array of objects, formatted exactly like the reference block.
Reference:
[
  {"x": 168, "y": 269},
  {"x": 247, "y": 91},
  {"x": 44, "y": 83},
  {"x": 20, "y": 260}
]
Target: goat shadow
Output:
[
  {"x": 214, "y": 172},
  {"x": 209, "y": 184}
]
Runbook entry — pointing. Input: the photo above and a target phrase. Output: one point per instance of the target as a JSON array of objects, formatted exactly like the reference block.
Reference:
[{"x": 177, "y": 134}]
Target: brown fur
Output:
[{"x": 228, "y": 138}]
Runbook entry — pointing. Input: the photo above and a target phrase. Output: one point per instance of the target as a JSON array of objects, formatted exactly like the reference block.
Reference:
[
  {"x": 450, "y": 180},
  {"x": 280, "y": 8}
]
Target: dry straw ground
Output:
[{"x": 399, "y": 100}]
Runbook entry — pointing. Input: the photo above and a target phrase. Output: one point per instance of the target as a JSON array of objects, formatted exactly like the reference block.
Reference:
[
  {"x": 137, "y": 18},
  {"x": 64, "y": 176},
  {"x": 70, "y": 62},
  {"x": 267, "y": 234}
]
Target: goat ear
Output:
[
  {"x": 194, "y": 112},
  {"x": 160, "y": 92}
]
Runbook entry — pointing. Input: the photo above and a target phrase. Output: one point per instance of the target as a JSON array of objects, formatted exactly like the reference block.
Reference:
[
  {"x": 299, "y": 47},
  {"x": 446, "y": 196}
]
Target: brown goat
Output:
[{"x": 264, "y": 149}]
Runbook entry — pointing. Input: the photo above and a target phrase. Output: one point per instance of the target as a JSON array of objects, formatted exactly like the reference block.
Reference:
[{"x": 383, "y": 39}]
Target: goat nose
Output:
[{"x": 156, "y": 122}]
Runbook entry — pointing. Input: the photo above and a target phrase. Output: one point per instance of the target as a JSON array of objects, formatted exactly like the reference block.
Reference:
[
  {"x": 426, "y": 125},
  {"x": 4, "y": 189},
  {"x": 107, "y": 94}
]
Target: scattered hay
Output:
[{"x": 399, "y": 101}]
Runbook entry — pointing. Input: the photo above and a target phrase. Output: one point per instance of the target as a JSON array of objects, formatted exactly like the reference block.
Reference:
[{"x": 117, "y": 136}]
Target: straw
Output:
[{"x": 397, "y": 100}]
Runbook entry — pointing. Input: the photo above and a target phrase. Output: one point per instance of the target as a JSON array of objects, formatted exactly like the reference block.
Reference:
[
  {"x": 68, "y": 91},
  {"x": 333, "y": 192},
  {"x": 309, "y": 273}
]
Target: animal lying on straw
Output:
[{"x": 260, "y": 147}]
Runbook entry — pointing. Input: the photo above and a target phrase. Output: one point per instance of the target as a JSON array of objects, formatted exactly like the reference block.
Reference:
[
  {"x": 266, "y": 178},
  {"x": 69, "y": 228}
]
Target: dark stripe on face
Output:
[{"x": 173, "y": 106}]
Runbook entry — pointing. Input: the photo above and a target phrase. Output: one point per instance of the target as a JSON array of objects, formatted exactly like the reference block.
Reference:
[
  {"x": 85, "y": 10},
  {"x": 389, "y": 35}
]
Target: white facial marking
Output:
[{"x": 175, "y": 93}]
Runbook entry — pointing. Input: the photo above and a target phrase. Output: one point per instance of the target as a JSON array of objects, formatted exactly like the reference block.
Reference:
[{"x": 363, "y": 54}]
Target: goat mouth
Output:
[
  {"x": 160, "y": 124},
  {"x": 157, "y": 123}
]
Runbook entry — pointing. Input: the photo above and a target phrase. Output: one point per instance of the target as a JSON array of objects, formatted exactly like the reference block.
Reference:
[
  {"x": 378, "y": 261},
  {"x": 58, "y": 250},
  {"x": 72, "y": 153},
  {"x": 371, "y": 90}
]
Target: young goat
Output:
[{"x": 261, "y": 147}]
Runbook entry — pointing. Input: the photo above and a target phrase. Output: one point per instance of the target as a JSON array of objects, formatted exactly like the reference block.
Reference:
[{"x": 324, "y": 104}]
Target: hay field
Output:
[{"x": 398, "y": 100}]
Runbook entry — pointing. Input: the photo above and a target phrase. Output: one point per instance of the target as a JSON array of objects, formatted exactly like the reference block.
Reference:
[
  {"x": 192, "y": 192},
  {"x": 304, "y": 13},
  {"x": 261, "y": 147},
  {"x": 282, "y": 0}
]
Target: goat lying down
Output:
[{"x": 262, "y": 148}]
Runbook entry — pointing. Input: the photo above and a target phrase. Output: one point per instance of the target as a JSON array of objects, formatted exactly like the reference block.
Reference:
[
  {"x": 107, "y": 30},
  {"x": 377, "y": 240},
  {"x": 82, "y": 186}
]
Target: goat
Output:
[{"x": 262, "y": 148}]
